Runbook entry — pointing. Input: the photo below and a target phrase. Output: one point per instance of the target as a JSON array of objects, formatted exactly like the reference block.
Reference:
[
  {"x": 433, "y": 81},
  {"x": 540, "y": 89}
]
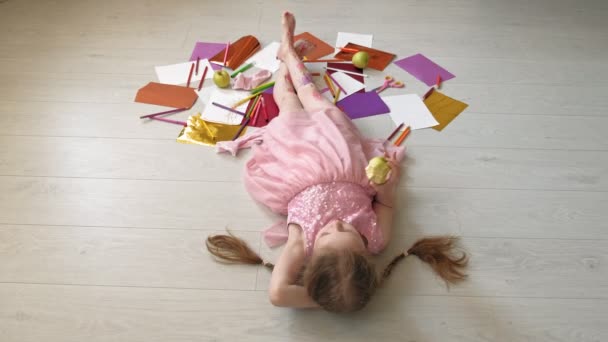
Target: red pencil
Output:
[
  {"x": 403, "y": 136},
  {"x": 264, "y": 109},
  {"x": 344, "y": 49},
  {"x": 226, "y": 53},
  {"x": 395, "y": 132},
  {"x": 190, "y": 75},
  {"x": 438, "y": 81},
  {"x": 182, "y": 123},
  {"x": 200, "y": 84},
  {"x": 256, "y": 112},
  {"x": 198, "y": 60},
  {"x": 163, "y": 113}
]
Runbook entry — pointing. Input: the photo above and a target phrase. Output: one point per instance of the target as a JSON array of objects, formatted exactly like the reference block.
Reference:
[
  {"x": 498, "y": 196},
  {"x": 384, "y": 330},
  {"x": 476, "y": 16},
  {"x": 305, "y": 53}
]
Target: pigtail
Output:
[
  {"x": 233, "y": 250},
  {"x": 440, "y": 253}
]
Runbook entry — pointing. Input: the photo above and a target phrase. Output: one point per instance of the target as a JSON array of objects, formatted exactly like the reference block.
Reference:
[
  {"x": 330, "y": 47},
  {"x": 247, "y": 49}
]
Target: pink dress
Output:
[{"x": 311, "y": 167}]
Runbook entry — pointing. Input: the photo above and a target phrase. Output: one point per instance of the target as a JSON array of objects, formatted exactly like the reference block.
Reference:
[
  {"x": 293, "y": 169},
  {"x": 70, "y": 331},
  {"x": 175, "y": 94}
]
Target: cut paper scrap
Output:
[
  {"x": 166, "y": 95},
  {"x": 320, "y": 49},
  {"x": 238, "y": 52},
  {"x": 272, "y": 111},
  {"x": 224, "y": 97},
  {"x": 349, "y": 84},
  {"x": 424, "y": 69},
  {"x": 178, "y": 73},
  {"x": 444, "y": 108},
  {"x": 361, "y": 105},
  {"x": 409, "y": 109},
  {"x": 378, "y": 60},
  {"x": 266, "y": 58},
  {"x": 356, "y": 38},
  {"x": 205, "y": 50},
  {"x": 347, "y": 67},
  {"x": 201, "y": 132}
]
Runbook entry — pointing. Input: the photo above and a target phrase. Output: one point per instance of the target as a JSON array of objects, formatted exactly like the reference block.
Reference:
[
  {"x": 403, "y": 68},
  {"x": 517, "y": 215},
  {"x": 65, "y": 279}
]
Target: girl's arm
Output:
[
  {"x": 283, "y": 289},
  {"x": 384, "y": 201},
  {"x": 384, "y": 215}
]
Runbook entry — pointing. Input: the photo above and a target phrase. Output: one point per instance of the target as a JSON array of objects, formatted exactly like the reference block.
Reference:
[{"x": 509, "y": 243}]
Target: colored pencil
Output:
[
  {"x": 253, "y": 107},
  {"x": 395, "y": 132},
  {"x": 336, "y": 83},
  {"x": 182, "y": 123},
  {"x": 256, "y": 112},
  {"x": 329, "y": 85},
  {"x": 226, "y": 53},
  {"x": 240, "y": 102},
  {"x": 264, "y": 109},
  {"x": 200, "y": 84},
  {"x": 345, "y": 49},
  {"x": 198, "y": 60},
  {"x": 325, "y": 61},
  {"x": 208, "y": 130},
  {"x": 190, "y": 75},
  {"x": 337, "y": 96},
  {"x": 403, "y": 135},
  {"x": 243, "y": 125},
  {"x": 227, "y": 108},
  {"x": 262, "y": 87},
  {"x": 162, "y": 113},
  {"x": 438, "y": 81},
  {"x": 428, "y": 93},
  {"x": 346, "y": 72},
  {"x": 241, "y": 69}
]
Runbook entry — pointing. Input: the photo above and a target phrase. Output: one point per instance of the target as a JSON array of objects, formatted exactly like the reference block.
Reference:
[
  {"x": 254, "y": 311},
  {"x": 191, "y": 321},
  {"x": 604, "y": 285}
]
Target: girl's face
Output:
[{"x": 339, "y": 235}]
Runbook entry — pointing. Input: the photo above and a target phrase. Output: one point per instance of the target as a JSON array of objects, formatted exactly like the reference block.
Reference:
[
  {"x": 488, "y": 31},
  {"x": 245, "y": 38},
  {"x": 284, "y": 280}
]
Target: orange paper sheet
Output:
[
  {"x": 378, "y": 60},
  {"x": 238, "y": 52},
  {"x": 321, "y": 48},
  {"x": 444, "y": 108},
  {"x": 166, "y": 95}
]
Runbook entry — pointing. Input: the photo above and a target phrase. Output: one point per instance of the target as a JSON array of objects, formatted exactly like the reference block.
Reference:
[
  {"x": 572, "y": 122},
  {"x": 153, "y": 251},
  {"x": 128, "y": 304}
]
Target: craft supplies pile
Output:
[{"x": 227, "y": 87}]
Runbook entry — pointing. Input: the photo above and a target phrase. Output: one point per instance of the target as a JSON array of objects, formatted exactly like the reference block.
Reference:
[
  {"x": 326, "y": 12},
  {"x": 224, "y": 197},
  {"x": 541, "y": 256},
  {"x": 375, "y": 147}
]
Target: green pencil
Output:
[
  {"x": 242, "y": 69},
  {"x": 262, "y": 87}
]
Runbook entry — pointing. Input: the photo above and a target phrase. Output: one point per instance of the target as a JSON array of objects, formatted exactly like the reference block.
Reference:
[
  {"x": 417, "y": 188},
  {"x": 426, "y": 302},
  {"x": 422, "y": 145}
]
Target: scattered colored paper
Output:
[
  {"x": 177, "y": 74},
  {"x": 424, "y": 69},
  {"x": 444, "y": 108},
  {"x": 204, "y": 50},
  {"x": 409, "y": 109},
  {"x": 238, "y": 52},
  {"x": 272, "y": 111},
  {"x": 378, "y": 60},
  {"x": 346, "y": 67},
  {"x": 266, "y": 58},
  {"x": 321, "y": 48},
  {"x": 226, "y": 97},
  {"x": 356, "y": 38},
  {"x": 201, "y": 132},
  {"x": 166, "y": 95},
  {"x": 361, "y": 105},
  {"x": 350, "y": 85}
]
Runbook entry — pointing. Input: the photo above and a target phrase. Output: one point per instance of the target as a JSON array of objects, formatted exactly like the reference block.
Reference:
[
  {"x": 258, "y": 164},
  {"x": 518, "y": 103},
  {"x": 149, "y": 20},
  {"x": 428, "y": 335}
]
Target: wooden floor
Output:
[{"x": 103, "y": 217}]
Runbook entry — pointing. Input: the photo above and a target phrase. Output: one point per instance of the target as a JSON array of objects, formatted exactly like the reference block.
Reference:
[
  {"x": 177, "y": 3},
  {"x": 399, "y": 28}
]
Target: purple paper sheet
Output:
[
  {"x": 204, "y": 50},
  {"x": 424, "y": 69},
  {"x": 361, "y": 105}
]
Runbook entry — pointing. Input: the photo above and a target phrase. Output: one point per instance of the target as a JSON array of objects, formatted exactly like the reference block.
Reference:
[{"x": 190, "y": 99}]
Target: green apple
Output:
[
  {"x": 360, "y": 59},
  {"x": 221, "y": 78}
]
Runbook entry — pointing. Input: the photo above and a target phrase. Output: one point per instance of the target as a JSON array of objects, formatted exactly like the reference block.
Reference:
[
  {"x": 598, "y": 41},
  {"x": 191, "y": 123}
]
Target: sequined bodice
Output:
[{"x": 319, "y": 204}]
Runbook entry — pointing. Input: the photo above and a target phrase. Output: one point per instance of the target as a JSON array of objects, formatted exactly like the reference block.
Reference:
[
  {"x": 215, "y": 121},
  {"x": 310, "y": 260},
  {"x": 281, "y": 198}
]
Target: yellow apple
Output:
[
  {"x": 360, "y": 59},
  {"x": 221, "y": 78}
]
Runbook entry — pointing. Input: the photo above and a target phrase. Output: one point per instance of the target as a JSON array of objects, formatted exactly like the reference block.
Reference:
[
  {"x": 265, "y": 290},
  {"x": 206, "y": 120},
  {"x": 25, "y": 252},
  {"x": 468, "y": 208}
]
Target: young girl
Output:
[{"x": 309, "y": 164}]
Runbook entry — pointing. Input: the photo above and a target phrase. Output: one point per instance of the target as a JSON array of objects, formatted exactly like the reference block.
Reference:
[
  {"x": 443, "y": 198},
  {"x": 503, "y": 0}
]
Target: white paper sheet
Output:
[
  {"x": 410, "y": 109},
  {"x": 355, "y": 38},
  {"x": 178, "y": 73},
  {"x": 349, "y": 84},
  {"x": 226, "y": 97},
  {"x": 266, "y": 58}
]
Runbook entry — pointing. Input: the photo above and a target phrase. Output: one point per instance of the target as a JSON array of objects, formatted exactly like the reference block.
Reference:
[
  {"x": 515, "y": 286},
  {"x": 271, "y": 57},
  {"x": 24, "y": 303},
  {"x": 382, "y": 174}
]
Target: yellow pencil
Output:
[
  {"x": 240, "y": 102},
  {"x": 337, "y": 96}
]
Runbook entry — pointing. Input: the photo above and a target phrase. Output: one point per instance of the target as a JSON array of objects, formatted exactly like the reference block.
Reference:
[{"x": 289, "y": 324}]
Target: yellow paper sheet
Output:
[
  {"x": 443, "y": 108},
  {"x": 201, "y": 132}
]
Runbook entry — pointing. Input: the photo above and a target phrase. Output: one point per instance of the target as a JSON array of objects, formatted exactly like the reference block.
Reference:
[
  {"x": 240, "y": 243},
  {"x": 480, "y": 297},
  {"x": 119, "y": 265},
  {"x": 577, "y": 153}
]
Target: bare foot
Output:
[{"x": 288, "y": 23}]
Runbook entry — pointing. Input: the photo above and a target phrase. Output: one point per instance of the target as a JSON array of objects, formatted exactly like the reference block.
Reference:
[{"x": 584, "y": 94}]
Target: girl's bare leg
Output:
[
  {"x": 306, "y": 90},
  {"x": 284, "y": 93}
]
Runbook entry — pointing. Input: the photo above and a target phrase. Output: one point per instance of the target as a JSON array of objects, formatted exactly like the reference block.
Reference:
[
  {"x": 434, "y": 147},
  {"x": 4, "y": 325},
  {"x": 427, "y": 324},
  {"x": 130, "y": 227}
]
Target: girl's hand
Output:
[{"x": 385, "y": 193}]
